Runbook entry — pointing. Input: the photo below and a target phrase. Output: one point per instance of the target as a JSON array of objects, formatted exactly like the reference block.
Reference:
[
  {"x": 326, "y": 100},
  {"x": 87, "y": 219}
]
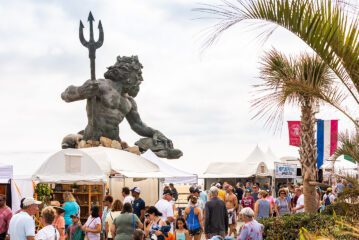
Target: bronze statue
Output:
[
  {"x": 110, "y": 100},
  {"x": 115, "y": 101}
]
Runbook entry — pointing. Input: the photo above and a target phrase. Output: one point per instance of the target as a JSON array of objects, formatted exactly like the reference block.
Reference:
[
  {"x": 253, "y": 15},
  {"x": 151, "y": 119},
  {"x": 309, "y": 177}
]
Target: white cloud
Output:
[{"x": 200, "y": 101}]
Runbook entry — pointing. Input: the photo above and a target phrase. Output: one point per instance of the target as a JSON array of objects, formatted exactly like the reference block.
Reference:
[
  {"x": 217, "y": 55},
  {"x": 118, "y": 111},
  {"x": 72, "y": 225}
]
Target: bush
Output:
[
  {"x": 350, "y": 211},
  {"x": 287, "y": 227},
  {"x": 333, "y": 226}
]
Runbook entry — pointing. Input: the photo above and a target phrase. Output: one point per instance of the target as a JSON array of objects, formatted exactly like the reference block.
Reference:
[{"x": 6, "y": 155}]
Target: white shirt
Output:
[
  {"x": 48, "y": 233},
  {"x": 109, "y": 220},
  {"x": 300, "y": 202},
  {"x": 21, "y": 225},
  {"x": 165, "y": 207},
  {"x": 128, "y": 199}
]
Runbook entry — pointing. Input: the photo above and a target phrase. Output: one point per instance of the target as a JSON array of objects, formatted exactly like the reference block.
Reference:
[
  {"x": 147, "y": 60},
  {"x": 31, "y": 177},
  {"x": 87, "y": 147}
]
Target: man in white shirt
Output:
[
  {"x": 22, "y": 225},
  {"x": 165, "y": 207},
  {"x": 299, "y": 207},
  {"x": 127, "y": 198}
]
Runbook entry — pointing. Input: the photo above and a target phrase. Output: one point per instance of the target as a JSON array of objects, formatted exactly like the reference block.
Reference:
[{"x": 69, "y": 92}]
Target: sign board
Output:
[{"x": 285, "y": 170}]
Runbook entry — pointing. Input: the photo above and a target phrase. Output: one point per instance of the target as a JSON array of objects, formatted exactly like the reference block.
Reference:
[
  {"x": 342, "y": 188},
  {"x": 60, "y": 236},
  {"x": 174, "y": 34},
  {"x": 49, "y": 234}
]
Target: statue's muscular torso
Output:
[{"x": 111, "y": 108}]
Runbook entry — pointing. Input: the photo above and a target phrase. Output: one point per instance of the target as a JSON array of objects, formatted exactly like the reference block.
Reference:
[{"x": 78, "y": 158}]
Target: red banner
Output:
[{"x": 294, "y": 133}]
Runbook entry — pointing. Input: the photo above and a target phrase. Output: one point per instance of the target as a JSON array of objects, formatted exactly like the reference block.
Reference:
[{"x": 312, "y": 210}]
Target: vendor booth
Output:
[
  {"x": 6, "y": 174},
  {"x": 253, "y": 168},
  {"x": 24, "y": 164},
  {"x": 232, "y": 172},
  {"x": 85, "y": 172}
]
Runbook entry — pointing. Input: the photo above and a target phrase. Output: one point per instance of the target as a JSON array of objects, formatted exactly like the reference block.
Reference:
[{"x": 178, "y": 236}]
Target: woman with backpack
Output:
[
  {"x": 193, "y": 217},
  {"x": 328, "y": 197}
]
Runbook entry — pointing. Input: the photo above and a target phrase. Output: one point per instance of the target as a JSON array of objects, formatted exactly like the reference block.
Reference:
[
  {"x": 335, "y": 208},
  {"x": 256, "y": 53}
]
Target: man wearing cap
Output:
[
  {"x": 221, "y": 193},
  {"x": 138, "y": 204},
  {"x": 216, "y": 220},
  {"x": 165, "y": 207},
  {"x": 22, "y": 225},
  {"x": 127, "y": 198}
]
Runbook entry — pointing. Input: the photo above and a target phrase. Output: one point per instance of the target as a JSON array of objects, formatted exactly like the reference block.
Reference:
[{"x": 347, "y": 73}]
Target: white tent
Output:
[
  {"x": 6, "y": 173},
  {"x": 88, "y": 165},
  {"x": 341, "y": 167},
  {"x": 177, "y": 175},
  {"x": 271, "y": 158},
  {"x": 236, "y": 170},
  {"x": 24, "y": 164},
  {"x": 253, "y": 165}
]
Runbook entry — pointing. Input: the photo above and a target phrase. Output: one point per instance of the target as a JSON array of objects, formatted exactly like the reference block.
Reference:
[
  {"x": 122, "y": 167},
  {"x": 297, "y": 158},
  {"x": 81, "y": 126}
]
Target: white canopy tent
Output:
[
  {"x": 24, "y": 164},
  {"x": 341, "y": 167},
  {"x": 253, "y": 165},
  {"x": 236, "y": 170},
  {"x": 89, "y": 165},
  {"x": 177, "y": 175},
  {"x": 6, "y": 173}
]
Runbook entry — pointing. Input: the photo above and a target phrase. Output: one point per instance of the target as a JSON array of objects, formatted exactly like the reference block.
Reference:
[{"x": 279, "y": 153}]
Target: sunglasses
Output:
[{"x": 282, "y": 193}]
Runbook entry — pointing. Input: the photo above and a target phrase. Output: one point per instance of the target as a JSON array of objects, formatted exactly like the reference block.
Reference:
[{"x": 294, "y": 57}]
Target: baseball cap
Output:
[
  {"x": 218, "y": 185},
  {"x": 167, "y": 192},
  {"x": 196, "y": 190},
  {"x": 30, "y": 201},
  {"x": 136, "y": 189}
]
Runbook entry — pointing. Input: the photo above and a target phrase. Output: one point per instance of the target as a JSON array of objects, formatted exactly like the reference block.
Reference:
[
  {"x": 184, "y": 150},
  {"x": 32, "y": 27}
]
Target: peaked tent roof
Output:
[
  {"x": 257, "y": 155},
  {"x": 236, "y": 170},
  {"x": 271, "y": 158},
  {"x": 177, "y": 175},
  {"x": 95, "y": 165}
]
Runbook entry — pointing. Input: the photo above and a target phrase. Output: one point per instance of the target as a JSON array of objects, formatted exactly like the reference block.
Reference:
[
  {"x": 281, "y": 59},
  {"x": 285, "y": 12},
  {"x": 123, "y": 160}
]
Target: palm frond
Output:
[
  {"x": 290, "y": 81},
  {"x": 349, "y": 145},
  {"x": 325, "y": 25}
]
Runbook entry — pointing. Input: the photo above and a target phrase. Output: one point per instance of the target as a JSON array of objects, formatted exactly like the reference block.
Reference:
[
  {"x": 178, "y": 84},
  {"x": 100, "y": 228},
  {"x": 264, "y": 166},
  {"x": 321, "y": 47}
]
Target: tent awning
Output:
[
  {"x": 88, "y": 165},
  {"x": 174, "y": 175},
  {"x": 236, "y": 170},
  {"x": 6, "y": 173}
]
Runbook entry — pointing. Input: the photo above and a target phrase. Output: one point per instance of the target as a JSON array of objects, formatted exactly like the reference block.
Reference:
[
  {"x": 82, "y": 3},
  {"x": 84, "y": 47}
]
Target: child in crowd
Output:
[
  {"x": 74, "y": 232},
  {"x": 181, "y": 232}
]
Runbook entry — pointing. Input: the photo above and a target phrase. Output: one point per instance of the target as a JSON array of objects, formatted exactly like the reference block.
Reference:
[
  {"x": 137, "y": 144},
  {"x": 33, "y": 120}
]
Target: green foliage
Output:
[
  {"x": 43, "y": 191},
  {"x": 288, "y": 226},
  {"x": 350, "y": 211}
]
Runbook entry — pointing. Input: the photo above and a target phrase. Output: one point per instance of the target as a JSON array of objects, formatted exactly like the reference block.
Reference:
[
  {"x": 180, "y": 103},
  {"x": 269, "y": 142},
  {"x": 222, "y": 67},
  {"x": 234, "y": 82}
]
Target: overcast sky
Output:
[{"x": 200, "y": 100}]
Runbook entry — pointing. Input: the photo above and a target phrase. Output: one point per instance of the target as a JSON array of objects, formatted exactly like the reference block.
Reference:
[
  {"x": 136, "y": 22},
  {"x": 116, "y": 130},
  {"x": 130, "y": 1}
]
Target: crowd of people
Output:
[{"x": 211, "y": 214}]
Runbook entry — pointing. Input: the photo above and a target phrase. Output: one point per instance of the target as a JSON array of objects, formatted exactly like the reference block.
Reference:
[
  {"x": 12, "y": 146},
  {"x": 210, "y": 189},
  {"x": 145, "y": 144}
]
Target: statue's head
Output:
[{"x": 128, "y": 71}]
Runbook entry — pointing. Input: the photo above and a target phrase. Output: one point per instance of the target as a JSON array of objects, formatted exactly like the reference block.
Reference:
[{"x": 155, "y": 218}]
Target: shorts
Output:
[
  {"x": 232, "y": 217},
  {"x": 196, "y": 231}
]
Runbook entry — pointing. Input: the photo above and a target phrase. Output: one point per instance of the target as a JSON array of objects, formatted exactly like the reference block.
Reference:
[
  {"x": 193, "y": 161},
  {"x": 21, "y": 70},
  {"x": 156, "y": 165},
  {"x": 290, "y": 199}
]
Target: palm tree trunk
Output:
[{"x": 308, "y": 154}]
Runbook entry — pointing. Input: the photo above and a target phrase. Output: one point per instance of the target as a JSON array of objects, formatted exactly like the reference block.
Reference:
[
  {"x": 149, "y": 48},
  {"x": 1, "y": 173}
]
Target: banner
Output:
[
  {"x": 285, "y": 170},
  {"x": 294, "y": 133},
  {"x": 327, "y": 139}
]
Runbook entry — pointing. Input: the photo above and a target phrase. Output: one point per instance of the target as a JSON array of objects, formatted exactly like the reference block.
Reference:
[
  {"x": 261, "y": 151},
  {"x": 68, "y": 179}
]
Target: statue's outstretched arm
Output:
[
  {"x": 136, "y": 123},
  {"x": 89, "y": 89},
  {"x": 142, "y": 129}
]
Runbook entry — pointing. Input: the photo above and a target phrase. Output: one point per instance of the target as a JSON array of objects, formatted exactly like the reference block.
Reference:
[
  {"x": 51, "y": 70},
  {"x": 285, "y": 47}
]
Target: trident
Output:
[{"x": 91, "y": 45}]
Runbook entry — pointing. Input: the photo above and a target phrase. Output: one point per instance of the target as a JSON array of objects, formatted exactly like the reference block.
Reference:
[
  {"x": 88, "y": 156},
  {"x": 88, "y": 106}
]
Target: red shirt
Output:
[
  {"x": 5, "y": 216},
  {"x": 248, "y": 202}
]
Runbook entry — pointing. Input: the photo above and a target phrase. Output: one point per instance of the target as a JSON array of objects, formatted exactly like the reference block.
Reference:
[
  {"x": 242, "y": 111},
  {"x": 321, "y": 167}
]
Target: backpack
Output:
[{"x": 327, "y": 200}]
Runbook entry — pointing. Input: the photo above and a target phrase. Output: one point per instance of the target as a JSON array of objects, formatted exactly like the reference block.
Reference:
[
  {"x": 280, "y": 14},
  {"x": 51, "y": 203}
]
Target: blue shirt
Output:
[
  {"x": 203, "y": 197},
  {"x": 138, "y": 205},
  {"x": 71, "y": 208}
]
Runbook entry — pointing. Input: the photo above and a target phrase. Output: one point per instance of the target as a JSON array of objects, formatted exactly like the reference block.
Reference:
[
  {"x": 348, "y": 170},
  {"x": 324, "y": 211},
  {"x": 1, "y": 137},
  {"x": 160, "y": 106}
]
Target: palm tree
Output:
[
  {"x": 283, "y": 81},
  {"x": 329, "y": 27}
]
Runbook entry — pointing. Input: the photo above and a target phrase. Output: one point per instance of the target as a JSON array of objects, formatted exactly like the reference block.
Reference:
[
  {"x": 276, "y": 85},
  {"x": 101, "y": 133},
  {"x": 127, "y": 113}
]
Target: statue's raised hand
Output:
[
  {"x": 89, "y": 89},
  {"x": 159, "y": 137}
]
